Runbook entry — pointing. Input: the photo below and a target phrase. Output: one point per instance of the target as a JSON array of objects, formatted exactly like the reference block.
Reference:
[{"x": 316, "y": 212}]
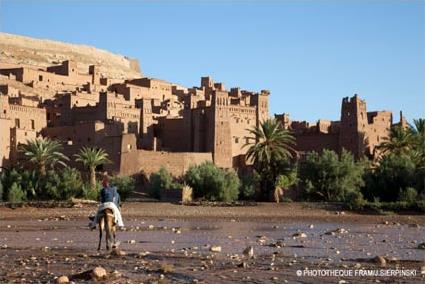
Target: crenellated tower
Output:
[
  {"x": 222, "y": 147},
  {"x": 354, "y": 124}
]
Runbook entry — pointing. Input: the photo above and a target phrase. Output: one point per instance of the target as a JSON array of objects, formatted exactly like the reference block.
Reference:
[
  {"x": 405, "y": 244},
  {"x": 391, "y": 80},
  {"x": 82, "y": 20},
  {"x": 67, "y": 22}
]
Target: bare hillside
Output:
[{"x": 15, "y": 49}]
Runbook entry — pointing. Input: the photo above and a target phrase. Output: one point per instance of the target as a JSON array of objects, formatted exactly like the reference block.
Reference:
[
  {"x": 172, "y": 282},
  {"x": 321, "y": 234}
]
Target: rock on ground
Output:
[
  {"x": 98, "y": 273},
  {"x": 215, "y": 249},
  {"x": 249, "y": 252},
  {"x": 62, "y": 279}
]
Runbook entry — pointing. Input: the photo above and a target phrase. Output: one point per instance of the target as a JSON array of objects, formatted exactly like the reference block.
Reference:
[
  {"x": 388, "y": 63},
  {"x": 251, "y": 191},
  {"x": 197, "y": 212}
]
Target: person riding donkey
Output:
[{"x": 109, "y": 199}]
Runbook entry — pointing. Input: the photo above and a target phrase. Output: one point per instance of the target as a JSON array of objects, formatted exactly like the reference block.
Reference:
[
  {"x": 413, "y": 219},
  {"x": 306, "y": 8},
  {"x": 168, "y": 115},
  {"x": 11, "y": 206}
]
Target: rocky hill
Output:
[{"x": 15, "y": 49}]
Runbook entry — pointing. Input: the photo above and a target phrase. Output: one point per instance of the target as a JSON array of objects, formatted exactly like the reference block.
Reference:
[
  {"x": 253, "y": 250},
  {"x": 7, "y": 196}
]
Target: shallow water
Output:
[{"x": 361, "y": 241}]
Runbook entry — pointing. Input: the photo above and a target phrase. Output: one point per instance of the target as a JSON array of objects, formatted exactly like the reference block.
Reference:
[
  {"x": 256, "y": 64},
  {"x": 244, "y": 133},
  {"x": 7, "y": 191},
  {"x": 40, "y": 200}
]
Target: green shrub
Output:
[
  {"x": 408, "y": 195},
  {"x": 330, "y": 177},
  {"x": 354, "y": 200},
  {"x": 8, "y": 179},
  {"x": 30, "y": 182},
  {"x": 63, "y": 185},
  {"x": 384, "y": 207},
  {"x": 27, "y": 180},
  {"x": 250, "y": 185},
  {"x": 71, "y": 184},
  {"x": 285, "y": 181},
  {"x": 213, "y": 183},
  {"x": 125, "y": 185},
  {"x": 90, "y": 194},
  {"x": 57, "y": 185},
  {"x": 161, "y": 180},
  {"x": 16, "y": 194},
  {"x": 395, "y": 173}
]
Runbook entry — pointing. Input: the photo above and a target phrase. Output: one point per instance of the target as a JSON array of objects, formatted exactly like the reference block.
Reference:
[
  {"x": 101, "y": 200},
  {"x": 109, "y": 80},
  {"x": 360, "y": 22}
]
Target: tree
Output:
[
  {"x": 330, "y": 177},
  {"x": 43, "y": 153},
  {"x": 394, "y": 174},
  {"x": 419, "y": 128},
  {"x": 159, "y": 181},
  {"x": 401, "y": 140},
  {"x": 418, "y": 153},
  {"x": 212, "y": 183},
  {"x": 273, "y": 146},
  {"x": 91, "y": 158}
]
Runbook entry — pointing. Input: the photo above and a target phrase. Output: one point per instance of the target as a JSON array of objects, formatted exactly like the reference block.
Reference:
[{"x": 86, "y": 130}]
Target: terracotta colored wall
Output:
[
  {"x": 241, "y": 119},
  {"x": 317, "y": 142},
  {"x": 138, "y": 161},
  {"x": 5, "y": 125},
  {"x": 171, "y": 137},
  {"x": 222, "y": 148}
]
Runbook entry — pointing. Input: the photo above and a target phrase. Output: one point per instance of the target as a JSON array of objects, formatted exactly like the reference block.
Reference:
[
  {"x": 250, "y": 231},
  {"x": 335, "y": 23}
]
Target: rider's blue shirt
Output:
[{"x": 110, "y": 194}]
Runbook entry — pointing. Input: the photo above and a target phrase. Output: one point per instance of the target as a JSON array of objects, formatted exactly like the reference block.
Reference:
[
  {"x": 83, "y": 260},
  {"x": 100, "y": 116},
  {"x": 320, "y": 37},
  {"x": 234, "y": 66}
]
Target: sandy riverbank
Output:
[{"x": 39, "y": 244}]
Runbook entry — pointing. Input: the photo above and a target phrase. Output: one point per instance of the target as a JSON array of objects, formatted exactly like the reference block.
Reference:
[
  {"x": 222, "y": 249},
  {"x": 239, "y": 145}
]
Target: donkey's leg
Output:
[
  {"x": 100, "y": 232},
  {"x": 114, "y": 231},
  {"x": 107, "y": 231}
]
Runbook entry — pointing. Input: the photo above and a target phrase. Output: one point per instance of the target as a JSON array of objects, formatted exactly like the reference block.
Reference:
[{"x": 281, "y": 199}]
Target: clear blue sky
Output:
[{"x": 309, "y": 54}]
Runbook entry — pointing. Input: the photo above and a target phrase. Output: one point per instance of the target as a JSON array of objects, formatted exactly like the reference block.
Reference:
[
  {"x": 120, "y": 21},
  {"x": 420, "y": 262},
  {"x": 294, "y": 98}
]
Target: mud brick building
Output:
[
  {"x": 358, "y": 131},
  {"x": 145, "y": 123},
  {"x": 20, "y": 119}
]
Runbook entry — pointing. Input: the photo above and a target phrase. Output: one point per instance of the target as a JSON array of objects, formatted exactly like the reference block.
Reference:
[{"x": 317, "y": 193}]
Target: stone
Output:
[
  {"x": 337, "y": 231},
  {"x": 243, "y": 265},
  {"x": 98, "y": 273},
  {"x": 215, "y": 248},
  {"x": 118, "y": 252},
  {"x": 132, "y": 242},
  {"x": 300, "y": 235},
  {"x": 414, "y": 225},
  {"x": 278, "y": 244},
  {"x": 62, "y": 279},
  {"x": 262, "y": 239},
  {"x": 249, "y": 252},
  {"x": 116, "y": 274},
  {"x": 143, "y": 253},
  {"x": 380, "y": 260}
]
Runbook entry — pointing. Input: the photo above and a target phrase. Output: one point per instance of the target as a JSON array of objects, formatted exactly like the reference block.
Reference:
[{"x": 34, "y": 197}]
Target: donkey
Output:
[{"x": 106, "y": 222}]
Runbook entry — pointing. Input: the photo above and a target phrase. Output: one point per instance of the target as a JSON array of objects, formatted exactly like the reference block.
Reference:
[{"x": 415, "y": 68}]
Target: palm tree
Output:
[
  {"x": 419, "y": 127},
  {"x": 43, "y": 152},
  {"x": 418, "y": 131},
  {"x": 400, "y": 141},
  {"x": 273, "y": 144},
  {"x": 91, "y": 158}
]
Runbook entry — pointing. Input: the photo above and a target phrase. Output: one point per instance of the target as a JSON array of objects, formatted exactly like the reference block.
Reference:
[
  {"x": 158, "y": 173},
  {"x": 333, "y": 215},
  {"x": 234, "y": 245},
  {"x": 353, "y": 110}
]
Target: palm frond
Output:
[
  {"x": 272, "y": 142},
  {"x": 92, "y": 157}
]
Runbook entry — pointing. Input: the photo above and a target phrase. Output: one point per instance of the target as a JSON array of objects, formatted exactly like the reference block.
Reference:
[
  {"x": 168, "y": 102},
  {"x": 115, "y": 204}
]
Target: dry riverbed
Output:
[{"x": 168, "y": 243}]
